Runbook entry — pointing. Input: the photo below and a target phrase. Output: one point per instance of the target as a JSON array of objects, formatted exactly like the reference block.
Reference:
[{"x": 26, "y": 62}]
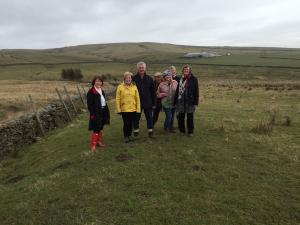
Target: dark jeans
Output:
[
  {"x": 173, "y": 116},
  {"x": 190, "y": 122},
  {"x": 149, "y": 118},
  {"x": 169, "y": 118},
  {"x": 128, "y": 119},
  {"x": 156, "y": 113}
]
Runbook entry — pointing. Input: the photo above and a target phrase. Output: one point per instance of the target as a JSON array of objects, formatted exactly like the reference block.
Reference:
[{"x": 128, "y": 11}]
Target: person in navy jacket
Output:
[{"x": 147, "y": 92}]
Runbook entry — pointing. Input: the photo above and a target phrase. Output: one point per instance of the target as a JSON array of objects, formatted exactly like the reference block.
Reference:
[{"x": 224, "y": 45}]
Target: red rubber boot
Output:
[
  {"x": 94, "y": 140},
  {"x": 100, "y": 139}
]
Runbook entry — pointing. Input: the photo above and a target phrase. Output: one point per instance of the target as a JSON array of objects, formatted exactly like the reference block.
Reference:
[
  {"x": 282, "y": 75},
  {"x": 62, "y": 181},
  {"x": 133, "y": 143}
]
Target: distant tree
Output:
[
  {"x": 106, "y": 77},
  {"x": 71, "y": 74}
]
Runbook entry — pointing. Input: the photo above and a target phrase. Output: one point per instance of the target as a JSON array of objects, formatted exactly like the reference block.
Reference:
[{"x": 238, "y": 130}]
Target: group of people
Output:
[{"x": 176, "y": 95}]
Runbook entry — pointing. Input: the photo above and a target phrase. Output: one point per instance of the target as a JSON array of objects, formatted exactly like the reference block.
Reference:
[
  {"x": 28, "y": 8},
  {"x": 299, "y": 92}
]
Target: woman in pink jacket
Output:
[{"x": 166, "y": 92}]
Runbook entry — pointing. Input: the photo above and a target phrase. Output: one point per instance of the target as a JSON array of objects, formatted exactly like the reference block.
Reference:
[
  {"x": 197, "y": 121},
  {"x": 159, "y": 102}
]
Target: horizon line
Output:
[{"x": 149, "y": 42}]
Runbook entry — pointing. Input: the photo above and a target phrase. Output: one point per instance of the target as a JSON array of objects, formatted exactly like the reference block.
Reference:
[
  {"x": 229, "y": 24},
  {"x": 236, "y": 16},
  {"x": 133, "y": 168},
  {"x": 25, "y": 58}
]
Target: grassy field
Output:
[
  {"x": 241, "y": 167},
  {"x": 118, "y": 58}
]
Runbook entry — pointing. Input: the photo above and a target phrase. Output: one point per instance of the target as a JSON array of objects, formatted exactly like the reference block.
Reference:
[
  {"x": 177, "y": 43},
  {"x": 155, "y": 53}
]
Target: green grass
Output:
[
  {"x": 120, "y": 57},
  {"x": 53, "y": 72},
  {"x": 225, "y": 174},
  {"x": 42, "y": 72}
]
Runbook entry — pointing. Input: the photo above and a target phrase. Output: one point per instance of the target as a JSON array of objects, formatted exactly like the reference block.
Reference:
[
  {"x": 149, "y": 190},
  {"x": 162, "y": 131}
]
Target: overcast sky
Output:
[{"x": 59, "y": 23}]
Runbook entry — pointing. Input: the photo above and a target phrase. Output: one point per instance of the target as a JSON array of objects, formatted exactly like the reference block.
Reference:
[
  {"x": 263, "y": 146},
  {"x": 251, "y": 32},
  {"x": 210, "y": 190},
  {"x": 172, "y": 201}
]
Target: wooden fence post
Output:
[
  {"x": 80, "y": 96},
  {"x": 37, "y": 115},
  {"x": 66, "y": 92},
  {"x": 62, "y": 101},
  {"x": 85, "y": 94}
]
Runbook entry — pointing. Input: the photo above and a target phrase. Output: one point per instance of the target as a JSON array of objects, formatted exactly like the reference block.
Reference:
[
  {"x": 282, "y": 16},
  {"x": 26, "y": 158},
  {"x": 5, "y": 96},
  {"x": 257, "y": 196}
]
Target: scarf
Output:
[
  {"x": 102, "y": 99},
  {"x": 183, "y": 84}
]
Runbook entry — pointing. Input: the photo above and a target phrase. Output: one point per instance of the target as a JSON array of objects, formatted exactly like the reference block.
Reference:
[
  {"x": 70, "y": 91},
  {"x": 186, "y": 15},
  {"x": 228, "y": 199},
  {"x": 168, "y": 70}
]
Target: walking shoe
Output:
[
  {"x": 181, "y": 133},
  {"x": 136, "y": 133},
  {"x": 191, "y": 135},
  {"x": 131, "y": 138},
  {"x": 172, "y": 130},
  {"x": 126, "y": 140}
]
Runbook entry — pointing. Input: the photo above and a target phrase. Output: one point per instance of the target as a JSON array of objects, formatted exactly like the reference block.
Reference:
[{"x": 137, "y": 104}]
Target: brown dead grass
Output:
[
  {"x": 14, "y": 100},
  {"x": 277, "y": 85}
]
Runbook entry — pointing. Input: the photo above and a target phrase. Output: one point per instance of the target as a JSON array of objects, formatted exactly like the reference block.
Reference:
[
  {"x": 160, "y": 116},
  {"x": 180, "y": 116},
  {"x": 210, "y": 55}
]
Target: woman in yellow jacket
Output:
[{"x": 128, "y": 104}]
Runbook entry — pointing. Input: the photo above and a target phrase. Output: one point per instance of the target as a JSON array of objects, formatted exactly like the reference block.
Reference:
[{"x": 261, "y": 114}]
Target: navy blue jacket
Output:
[{"x": 146, "y": 90}]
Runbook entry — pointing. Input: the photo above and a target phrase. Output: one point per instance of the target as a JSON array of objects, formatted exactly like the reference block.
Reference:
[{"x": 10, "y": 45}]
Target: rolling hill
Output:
[
  {"x": 117, "y": 58},
  {"x": 152, "y": 52}
]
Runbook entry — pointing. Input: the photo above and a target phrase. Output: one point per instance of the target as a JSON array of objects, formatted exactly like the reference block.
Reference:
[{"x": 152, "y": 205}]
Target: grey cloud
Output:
[{"x": 45, "y": 24}]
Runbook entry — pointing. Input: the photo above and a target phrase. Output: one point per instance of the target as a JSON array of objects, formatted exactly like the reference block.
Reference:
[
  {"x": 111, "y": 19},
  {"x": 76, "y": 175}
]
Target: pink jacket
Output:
[{"x": 162, "y": 90}]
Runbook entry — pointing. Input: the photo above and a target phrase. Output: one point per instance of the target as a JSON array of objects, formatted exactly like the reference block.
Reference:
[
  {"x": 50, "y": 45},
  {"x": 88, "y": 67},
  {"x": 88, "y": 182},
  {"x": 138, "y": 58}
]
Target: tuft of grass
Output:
[
  {"x": 273, "y": 111},
  {"x": 287, "y": 121},
  {"x": 265, "y": 126},
  {"x": 272, "y": 119},
  {"x": 220, "y": 127}
]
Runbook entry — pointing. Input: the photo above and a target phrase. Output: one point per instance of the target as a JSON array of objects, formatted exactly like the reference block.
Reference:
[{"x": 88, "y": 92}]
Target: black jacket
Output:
[
  {"x": 177, "y": 78},
  {"x": 192, "y": 91},
  {"x": 146, "y": 90},
  {"x": 98, "y": 116}
]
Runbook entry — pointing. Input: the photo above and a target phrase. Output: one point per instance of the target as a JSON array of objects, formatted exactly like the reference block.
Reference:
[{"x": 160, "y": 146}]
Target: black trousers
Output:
[
  {"x": 97, "y": 127},
  {"x": 189, "y": 122},
  {"x": 128, "y": 120}
]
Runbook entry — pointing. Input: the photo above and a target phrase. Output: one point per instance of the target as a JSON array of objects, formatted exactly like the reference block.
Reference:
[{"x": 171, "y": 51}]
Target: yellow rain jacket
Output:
[{"x": 128, "y": 98}]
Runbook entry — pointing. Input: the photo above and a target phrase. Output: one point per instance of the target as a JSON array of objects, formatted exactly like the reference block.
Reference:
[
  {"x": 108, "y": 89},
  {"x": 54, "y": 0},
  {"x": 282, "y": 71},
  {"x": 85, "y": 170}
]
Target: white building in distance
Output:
[{"x": 202, "y": 55}]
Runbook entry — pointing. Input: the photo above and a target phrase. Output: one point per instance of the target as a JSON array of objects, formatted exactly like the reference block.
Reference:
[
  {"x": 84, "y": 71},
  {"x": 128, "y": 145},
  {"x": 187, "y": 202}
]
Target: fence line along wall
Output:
[{"x": 26, "y": 129}]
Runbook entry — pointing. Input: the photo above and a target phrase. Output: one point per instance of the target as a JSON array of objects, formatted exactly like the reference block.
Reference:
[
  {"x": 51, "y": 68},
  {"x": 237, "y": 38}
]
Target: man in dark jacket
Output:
[
  {"x": 186, "y": 100},
  {"x": 145, "y": 85}
]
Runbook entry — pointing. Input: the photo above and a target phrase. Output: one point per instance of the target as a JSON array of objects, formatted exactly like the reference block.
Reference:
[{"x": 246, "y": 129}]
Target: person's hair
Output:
[
  {"x": 97, "y": 77},
  {"x": 187, "y": 66},
  {"x": 172, "y": 67},
  {"x": 140, "y": 63},
  {"x": 127, "y": 74},
  {"x": 158, "y": 74}
]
